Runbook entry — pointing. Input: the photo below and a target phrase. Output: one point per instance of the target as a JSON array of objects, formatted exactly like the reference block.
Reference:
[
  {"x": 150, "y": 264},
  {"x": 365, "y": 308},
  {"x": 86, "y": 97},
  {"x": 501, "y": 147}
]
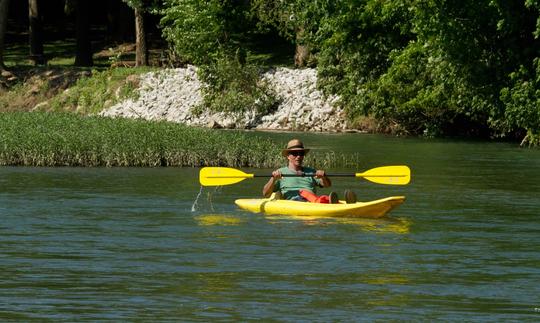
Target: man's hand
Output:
[
  {"x": 325, "y": 181},
  {"x": 276, "y": 174}
]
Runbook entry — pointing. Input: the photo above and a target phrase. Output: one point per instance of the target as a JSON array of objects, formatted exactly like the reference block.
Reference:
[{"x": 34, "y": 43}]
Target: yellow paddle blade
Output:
[
  {"x": 219, "y": 176},
  {"x": 391, "y": 175}
]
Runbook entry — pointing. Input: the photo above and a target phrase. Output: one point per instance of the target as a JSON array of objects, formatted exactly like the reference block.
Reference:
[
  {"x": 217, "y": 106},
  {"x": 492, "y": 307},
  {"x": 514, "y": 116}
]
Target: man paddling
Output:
[{"x": 300, "y": 188}]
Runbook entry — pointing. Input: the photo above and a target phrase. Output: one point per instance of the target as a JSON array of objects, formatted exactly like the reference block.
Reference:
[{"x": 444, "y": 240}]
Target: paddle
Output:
[{"x": 390, "y": 175}]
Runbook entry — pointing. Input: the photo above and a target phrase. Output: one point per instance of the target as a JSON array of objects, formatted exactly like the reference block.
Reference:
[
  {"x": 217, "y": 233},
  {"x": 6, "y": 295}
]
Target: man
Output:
[{"x": 298, "y": 188}]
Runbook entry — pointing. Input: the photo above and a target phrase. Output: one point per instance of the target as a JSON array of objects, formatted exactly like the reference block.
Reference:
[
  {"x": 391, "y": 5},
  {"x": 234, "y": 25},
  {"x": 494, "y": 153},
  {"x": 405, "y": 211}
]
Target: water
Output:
[{"x": 124, "y": 244}]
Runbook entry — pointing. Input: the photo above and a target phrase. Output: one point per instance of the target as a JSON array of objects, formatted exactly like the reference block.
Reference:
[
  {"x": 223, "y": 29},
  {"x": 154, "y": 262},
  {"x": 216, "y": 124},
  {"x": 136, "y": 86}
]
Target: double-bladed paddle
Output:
[{"x": 390, "y": 175}]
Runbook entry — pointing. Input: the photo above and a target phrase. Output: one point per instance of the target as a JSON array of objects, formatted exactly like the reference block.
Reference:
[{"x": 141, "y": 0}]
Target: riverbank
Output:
[{"x": 175, "y": 95}]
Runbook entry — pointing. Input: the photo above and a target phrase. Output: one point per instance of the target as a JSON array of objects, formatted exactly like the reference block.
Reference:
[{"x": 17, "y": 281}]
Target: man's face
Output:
[{"x": 296, "y": 157}]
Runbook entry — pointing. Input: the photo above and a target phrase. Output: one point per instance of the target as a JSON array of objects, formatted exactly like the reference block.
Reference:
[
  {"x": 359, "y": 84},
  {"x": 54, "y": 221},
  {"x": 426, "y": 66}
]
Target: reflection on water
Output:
[
  {"x": 218, "y": 219},
  {"x": 380, "y": 225},
  {"x": 383, "y": 225}
]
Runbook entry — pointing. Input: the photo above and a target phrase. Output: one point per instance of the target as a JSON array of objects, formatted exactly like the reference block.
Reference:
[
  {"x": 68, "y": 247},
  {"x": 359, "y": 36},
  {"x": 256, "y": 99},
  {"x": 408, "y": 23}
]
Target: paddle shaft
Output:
[{"x": 309, "y": 175}]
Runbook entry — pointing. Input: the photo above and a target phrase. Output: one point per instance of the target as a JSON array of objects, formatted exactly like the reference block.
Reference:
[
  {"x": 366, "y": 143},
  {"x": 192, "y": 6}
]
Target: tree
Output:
[
  {"x": 141, "y": 51},
  {"x": 434, "y": 67},
  {"x": 4, "y": 5},
  {"x": 83, "y": 55},
  {"x": 201, "y": 32},
  {"x": 211, "y": 35},
  {"x": 357, "y": 40},
  {"x": 522, "y": 95},
  {"x": 297, "y": 20},
  {"x": 35, "y": 33}
]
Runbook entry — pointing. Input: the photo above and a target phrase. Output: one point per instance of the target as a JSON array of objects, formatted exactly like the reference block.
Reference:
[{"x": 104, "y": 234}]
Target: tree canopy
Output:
[{"x": 428, "y": 67}]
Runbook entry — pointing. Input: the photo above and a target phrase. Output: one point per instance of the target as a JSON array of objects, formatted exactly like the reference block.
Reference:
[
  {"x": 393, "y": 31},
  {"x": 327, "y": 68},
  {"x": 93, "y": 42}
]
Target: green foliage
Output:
[
  {"x": 522, "y": 100},
  {"x": 356, "y": 42},
  {"x": 427, "y": 67},
  {"x": 291, "y": 17},
  {"x": 423, "y": 93},
  {"x": 101, "y": 90},
  {"x": 233, "y": 87},
  {"x": 208, "y": 34},
  {"x": 145, "y": 5},
  {"x": 201, "y": 31},
  {"x": 417, "y": 66},
  {"x": 432, "y": 67},
  {"x": 522, "y": 95}
]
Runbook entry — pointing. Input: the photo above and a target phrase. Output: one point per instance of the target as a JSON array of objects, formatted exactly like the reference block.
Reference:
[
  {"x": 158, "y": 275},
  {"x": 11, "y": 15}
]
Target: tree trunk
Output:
[
  {"x": 302, "y": 51},
  {"x": 35, "y": 33},
  {"x": 4, "y": 5},
  {"x": 83, "y": 56},
  {"x": 141, "y": 55},
  {"x": 301, "y": 55}
]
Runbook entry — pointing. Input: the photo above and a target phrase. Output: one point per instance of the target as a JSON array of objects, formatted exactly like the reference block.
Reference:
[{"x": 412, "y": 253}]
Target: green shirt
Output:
[{"x": 290, "y": 186}]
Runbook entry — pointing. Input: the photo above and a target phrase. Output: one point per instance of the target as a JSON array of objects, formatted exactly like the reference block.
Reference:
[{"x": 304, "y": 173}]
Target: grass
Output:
[
  {"x": 62, "y": 139},
  {"x": 90, "y": 95},
  {"x": 71, "y": 89},
  {"x": 67, "y": 139}
]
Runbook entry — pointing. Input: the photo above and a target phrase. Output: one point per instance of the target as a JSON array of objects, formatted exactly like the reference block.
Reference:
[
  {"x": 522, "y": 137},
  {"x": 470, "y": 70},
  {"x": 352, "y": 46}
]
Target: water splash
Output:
[{"x": 194, "y": 206}]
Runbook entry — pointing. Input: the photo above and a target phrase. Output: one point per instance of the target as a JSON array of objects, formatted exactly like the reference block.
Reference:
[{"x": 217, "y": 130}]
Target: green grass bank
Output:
[{"x": 67, "y": 139}]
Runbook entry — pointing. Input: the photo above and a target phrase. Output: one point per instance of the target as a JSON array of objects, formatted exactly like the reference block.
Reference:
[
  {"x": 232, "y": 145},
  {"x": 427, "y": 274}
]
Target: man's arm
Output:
[{"x": 269, "y": 186}]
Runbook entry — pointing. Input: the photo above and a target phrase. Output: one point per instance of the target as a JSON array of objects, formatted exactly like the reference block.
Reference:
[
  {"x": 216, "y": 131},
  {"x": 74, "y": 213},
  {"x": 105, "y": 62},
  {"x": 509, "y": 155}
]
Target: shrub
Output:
[{"x": 233, "y": 87}]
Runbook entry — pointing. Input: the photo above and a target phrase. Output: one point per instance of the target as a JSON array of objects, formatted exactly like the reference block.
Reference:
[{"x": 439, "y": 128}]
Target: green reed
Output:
[
  {"x": 66, "y": 139},
  {"x": 61, "y": 139}
]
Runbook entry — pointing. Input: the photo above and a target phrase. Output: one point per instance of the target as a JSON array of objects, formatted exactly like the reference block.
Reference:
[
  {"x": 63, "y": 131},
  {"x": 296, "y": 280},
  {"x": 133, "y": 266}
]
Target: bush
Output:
[{"x": 233, "y": 87}]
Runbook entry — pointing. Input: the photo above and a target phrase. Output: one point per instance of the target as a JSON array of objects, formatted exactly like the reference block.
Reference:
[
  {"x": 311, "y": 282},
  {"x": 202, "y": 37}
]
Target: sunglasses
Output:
[{"x": 296, "y": 153}]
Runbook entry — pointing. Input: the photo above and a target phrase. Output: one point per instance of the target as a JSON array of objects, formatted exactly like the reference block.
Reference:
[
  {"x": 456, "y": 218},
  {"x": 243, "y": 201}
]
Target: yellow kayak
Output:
[{"x": 373, "y": 209}]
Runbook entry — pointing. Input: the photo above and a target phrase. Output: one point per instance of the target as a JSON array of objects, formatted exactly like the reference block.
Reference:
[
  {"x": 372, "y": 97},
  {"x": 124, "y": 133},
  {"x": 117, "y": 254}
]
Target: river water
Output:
[{"x": 129, "y": 243}]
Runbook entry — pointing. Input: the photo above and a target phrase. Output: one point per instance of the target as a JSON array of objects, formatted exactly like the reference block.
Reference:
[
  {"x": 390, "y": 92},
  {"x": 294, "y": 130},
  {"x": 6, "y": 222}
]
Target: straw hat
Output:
[{"x": 294, "y": 145}]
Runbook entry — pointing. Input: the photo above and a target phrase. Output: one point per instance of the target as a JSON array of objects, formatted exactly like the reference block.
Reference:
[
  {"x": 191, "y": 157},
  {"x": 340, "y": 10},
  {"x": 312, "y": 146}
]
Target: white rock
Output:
[{"x": 172, "y": 94}]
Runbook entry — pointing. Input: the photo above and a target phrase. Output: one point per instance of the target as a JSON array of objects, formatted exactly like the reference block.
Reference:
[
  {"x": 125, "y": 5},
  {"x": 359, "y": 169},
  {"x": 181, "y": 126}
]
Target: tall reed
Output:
[
  {"x": 62, "y": 139},
  {"x": 67, "y": 139}
]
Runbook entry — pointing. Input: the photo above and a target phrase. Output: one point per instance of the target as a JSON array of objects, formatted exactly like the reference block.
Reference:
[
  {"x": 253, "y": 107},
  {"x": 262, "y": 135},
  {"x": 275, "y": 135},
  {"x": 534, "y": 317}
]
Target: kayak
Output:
[{"x": 372, "y": 209}]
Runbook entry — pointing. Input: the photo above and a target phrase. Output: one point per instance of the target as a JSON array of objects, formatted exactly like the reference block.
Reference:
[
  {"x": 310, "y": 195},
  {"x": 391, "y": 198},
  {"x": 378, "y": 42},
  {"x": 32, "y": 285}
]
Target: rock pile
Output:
[{"x": 173, "y": 93}]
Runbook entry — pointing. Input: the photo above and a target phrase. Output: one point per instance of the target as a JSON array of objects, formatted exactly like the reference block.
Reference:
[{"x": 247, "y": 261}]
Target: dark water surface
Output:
[{"x": 124, "y": 244}]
